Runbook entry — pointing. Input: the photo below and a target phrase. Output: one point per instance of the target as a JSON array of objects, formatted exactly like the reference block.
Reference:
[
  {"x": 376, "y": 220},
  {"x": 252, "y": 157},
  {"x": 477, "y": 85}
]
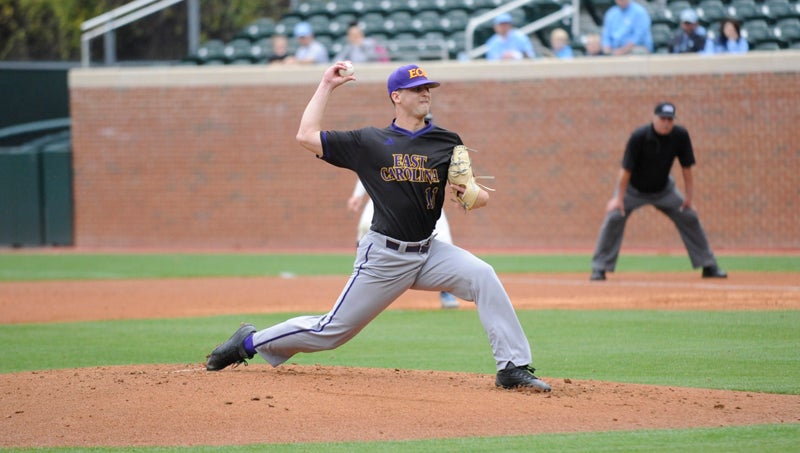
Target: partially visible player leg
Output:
[
  {"x": 691, "y": 230},
  {"x": 364, "y": 297},
  {"x": 442, "y": 232}
]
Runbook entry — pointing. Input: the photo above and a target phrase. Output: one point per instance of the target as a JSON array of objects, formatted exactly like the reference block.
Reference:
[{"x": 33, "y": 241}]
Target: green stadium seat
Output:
[
  {"x": 340, "y": 23},
  {"x": 286, "y": 25},
  {"x": 372, "y": 23},
  {"x": 662, "y": 35},
  {"x": 310, "y": 8},
  {"x": 426, "y": 22},
  {"x": 710, "y": 11},
  {"x": 454, "y": 21},
  {"x": 788, "y": 31},
  {"x": 399, "y": 22},
  {"x": 746, "y": 10},
  {"x": 777, "y": 10},
  {"x": 211, "y": 52},
  {"x": 320, "y": 23},
  {"x": 239, "y": 51},
  {"x": 758, "y": 32},
  {"x": 263, "y": 27}
]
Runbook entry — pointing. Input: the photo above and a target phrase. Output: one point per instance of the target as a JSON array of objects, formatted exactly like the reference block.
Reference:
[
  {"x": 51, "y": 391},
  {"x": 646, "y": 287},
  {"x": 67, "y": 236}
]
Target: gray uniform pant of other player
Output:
[
  {"x": 669, "y": 202},
  {"x": 380, "y": 276}
]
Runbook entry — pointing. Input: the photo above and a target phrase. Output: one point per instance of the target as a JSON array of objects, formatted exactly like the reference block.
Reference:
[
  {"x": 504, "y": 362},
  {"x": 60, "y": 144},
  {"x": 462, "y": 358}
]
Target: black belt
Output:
[{"x": 420, "y": 248}]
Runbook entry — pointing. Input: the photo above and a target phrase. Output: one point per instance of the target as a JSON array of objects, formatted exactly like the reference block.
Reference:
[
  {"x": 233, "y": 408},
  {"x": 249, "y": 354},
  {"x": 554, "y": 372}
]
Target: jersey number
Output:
[{"x": 430, "y": 197}]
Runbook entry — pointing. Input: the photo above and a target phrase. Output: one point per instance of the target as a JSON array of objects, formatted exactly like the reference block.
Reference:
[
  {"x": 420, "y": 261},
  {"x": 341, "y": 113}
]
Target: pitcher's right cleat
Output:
[
  {"x": 232, "y": 351},
  {"x": 520, "y": 376}
]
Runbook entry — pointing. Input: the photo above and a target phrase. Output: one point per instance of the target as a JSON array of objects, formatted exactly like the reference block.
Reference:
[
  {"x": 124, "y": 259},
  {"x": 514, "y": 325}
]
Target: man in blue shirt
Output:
[
  {"x": 626, "y": 29},
  {"x": 507, "y": 43}
]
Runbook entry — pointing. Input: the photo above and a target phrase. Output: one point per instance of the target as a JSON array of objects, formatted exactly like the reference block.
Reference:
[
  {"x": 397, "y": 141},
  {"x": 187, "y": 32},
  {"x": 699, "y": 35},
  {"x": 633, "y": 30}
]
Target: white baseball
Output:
[{"x": 348, "y": 70}]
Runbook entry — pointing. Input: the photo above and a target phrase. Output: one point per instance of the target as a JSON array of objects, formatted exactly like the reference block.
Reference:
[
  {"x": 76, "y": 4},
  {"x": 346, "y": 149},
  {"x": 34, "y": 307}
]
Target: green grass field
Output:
[{"x": 752, "y": 351}]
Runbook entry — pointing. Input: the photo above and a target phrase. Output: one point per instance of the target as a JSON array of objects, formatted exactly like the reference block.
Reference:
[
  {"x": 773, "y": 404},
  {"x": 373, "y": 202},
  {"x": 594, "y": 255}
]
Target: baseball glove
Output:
[{"x": 460, "y": 174}]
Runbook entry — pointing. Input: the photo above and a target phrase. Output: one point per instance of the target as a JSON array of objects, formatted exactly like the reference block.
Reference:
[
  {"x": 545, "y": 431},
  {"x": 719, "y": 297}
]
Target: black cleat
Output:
[
  {"x": 520, "y": 376},
  {"x": 598, "y": 275},
  {"x": 232, "y": 351},
  {"x": 714, "y": 272}
]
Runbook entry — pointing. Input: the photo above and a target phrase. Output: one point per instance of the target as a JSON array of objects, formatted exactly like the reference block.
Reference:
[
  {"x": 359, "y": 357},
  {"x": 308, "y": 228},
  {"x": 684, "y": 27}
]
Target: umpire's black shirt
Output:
[{"x": 649, "y": 156}]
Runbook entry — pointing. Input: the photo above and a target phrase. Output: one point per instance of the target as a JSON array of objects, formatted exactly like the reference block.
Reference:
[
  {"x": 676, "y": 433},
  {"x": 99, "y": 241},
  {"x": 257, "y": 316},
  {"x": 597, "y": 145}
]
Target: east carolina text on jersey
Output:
[{"x": 410, "y": 167}]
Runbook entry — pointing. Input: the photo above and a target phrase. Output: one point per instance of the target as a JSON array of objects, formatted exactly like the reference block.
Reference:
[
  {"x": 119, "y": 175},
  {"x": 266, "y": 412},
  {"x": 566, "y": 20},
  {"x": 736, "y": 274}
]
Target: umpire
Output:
[{"x": 645, "y": 179}]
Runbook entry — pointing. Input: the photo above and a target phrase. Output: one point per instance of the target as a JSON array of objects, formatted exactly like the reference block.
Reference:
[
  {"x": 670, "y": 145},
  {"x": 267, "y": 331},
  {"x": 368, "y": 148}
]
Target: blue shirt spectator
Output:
[
  {"x": 508, "y": 43},
  {"x": 728, "y": 40},
  {"x": 310, "y": 50},
  {"x": 559, "y": 44},
  {"x": 626, "y": 29}
]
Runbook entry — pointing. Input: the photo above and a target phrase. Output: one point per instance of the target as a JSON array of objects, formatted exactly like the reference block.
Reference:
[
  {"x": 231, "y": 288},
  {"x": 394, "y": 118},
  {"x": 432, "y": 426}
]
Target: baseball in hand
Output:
[{"x": 348, "y": 70}]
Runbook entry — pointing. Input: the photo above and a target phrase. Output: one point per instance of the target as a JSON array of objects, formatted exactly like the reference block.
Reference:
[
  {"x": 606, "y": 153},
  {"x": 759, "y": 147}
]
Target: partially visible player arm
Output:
[
  {"x": 311, "y": 122},
  {"x": 618, "y": 201},
  {"x": 356, "y": 201},
  {"x": 688, "y": 187}
]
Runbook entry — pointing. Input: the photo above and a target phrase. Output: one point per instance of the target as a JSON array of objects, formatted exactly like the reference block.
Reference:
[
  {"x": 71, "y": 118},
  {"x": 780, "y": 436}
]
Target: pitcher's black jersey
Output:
[{"x": 404, "y": 172}]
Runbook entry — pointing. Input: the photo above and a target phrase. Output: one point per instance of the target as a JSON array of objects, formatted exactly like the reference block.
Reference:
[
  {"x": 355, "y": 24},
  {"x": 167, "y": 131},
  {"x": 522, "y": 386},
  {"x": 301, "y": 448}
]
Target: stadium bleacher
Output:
[{"x": 434, "y": 29}]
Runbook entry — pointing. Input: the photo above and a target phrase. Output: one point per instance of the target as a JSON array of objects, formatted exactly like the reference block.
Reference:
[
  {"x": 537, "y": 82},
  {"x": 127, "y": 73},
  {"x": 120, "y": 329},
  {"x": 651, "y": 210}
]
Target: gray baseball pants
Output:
[
  {"x": 669, "y": 202},
  {"x": 383, "y": 270}
]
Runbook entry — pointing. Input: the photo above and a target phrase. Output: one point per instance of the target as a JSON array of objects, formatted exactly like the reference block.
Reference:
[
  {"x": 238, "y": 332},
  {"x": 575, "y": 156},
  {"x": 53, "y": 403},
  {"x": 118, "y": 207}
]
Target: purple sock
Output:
[{"x": 248, "y": 345}]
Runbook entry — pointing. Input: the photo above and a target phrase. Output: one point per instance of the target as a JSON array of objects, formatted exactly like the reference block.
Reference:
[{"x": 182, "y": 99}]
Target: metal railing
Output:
[
  {"x": 473, "y": 24},
  {"x": 106, "y": 24}
]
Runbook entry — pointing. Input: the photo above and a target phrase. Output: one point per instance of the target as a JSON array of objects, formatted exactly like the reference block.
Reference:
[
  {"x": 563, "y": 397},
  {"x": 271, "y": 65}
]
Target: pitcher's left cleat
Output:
[{"x": 232, "y": 351}]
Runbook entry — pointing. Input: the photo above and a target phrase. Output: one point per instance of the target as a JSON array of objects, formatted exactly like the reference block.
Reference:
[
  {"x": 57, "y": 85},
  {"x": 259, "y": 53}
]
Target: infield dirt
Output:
[{"x": 185, "y": 405}]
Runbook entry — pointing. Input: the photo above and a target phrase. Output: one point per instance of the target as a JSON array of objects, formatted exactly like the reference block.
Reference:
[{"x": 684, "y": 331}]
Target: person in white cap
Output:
[
  {"x": 508, "y": 43},
  {"x": 310, "y": 51},
  {"x": 691, "y": 37}
]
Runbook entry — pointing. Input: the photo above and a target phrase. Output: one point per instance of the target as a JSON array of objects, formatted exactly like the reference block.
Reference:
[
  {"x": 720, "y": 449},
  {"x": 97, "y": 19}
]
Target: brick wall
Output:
[{"x": 206, "y": 157}]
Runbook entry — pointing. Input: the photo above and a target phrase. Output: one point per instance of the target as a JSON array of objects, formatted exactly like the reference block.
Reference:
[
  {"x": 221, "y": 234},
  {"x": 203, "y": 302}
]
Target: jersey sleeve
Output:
[{"x": 341, "y": 148}]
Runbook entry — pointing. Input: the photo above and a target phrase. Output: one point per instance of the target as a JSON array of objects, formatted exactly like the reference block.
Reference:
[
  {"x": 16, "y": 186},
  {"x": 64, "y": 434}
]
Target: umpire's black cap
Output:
[{"x": 665, "y": 110}]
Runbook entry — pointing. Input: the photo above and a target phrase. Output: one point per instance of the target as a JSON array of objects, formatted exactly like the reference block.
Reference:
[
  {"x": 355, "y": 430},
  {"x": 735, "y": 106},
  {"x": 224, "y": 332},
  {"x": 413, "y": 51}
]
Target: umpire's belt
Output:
[{"x": 410, "y": 247}]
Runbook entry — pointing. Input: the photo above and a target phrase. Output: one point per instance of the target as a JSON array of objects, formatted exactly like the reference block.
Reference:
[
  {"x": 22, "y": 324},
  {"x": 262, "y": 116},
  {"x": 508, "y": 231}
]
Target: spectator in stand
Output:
[
  {"x": 626, "y": 29},
  {"x": 691, "y": 37},
  {"x": 360, "y": 49},
  {"x": 559, "y": 44},
  {"x": 593, "y": 45},
  {"x": 280, "y": 49},
  {"x": 310, "y": 51},
  {"x": 729, "y": 39},
  {"x": 508, "y": 43}
]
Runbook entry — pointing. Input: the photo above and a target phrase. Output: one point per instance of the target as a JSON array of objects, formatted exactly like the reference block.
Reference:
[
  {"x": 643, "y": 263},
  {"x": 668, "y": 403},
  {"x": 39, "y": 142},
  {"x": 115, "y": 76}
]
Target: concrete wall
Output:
[{"x": 205, "y": 157}]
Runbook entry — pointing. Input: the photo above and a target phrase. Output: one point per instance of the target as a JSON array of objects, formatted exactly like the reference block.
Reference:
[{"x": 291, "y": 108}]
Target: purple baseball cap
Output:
[{"x": 409, "y": 76}]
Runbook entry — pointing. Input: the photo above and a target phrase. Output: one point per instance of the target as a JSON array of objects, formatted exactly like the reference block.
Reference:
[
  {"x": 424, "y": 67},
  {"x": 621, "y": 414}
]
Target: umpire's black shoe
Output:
[
  {"x": 714, "y": 272},
  {"x": 520, "y": 376},
  {"x": 232, "y": 351},
  {"x": 597, "y": 275}
]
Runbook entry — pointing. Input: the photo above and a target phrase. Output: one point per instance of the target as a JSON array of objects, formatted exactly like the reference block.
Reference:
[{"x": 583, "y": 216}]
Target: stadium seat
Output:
[
  {"x": 263, "y": 27},
  {"x": 660, "y": 14},
  {"x": 320, "y": 23},
  {"x": 746, "y": 10},
  {"x": 676, "y": 6},
  {"x": 444, "y": 6},
  {"x": 399, "y": 22},
  {"x": 286, "y": 25},
  {"x": 261, "y": 50},
  {"x": 340, "y": 23},
  {"x": 788, "y": 31},
  {"x": 424, "y": 5},
  {"x": 310, "y": 8},
  {"x": 392, "y": 6},
  {"x": 454, "y": 21},
  {"x": 238, "y": 51},
  {"x": 426, "y": 22},
  {"x": 210, "y": 52},
  {"x": 710, "y": 11},
  {"x": 662, "y": 35},
  {"x": 758, "y": 32},
  {"x": 456, "y": 43},
  {"x": 372, "y": 23},
  {"x": 777, "y": 10},
  {"x": 370, "y": 6},
  {"x": 767, "y": 46}
]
